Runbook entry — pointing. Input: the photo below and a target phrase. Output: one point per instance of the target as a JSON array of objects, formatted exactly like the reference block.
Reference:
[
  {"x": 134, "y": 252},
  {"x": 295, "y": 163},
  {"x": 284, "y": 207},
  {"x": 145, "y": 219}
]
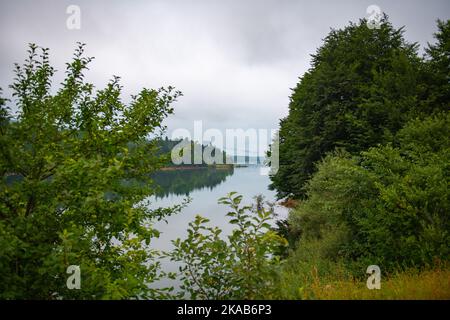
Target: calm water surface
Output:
[{"x": 246, "y": 181}]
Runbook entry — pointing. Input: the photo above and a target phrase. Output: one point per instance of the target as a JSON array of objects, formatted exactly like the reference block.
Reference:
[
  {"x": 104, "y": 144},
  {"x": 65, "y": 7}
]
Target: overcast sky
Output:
[{"x": 234, "y": 61}]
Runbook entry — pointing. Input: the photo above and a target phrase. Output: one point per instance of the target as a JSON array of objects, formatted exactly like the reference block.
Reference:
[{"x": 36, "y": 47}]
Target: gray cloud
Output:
[{"x": 235, "y": 61}]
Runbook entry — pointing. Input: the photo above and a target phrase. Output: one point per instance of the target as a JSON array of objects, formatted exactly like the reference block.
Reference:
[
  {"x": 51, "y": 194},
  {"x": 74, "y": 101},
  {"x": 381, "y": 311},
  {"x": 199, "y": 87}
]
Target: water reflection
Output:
[
  {"x": 247, "y": 181},
  {"x": 183, "y": 182}
]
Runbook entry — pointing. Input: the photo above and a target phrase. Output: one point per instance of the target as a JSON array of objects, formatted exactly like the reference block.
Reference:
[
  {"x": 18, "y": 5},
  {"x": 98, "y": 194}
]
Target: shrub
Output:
[
  {"x": 390, "y": 206},
  {"x": 66, "y": 197},
  {"x": 240, "y": 266}
]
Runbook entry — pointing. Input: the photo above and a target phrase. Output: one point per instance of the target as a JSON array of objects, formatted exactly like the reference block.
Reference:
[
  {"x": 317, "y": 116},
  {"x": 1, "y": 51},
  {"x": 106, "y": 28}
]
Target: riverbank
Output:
[{"x": 198, "y": 167}]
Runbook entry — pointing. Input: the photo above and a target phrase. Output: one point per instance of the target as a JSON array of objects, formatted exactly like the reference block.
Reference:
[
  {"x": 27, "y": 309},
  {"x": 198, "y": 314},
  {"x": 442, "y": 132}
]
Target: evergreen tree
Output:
[
  {"x": 437, "y": 71},
  {"x": 360, "y": 90}
]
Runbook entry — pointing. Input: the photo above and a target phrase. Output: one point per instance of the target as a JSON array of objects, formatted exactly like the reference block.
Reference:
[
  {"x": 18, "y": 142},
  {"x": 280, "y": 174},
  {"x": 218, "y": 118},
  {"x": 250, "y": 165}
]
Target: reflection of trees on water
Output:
[{"x": 182, "y": 182}]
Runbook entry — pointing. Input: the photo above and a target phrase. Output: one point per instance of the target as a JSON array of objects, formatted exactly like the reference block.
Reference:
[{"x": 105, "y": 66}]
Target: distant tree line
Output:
[{"x": 188, "y": 150}]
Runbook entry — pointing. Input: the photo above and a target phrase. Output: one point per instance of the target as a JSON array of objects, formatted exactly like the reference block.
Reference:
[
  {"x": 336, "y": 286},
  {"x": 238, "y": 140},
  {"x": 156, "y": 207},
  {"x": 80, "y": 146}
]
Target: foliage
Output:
[
  {"x": 365, "y": 146},
  {"x": 376, "y": 183},
  {"x": 389, "y": 207},
  {"x": 67, "y": 196},
  {"x": 430, "y": 284},
  {"x": 362, "y": 87},
  {"x": 180, "y": 149},
  {"x": 433, "y": 284},
  {"x": 437, "y": 71},
  {"x": 240, "y": 267}
]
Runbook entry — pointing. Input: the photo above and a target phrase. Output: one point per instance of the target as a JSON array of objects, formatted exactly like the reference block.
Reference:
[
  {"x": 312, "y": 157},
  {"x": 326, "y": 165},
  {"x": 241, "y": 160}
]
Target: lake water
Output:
[{"x": 246, "y": 181}]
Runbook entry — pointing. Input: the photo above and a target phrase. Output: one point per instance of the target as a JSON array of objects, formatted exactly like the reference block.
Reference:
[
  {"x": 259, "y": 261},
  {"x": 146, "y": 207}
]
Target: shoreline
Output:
[{"x": 194, "y": 167}]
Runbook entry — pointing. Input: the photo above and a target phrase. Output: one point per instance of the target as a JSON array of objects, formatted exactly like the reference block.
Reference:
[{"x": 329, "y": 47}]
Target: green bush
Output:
[
  {"x": 390, "y": 206},
  {"x": 65, "y": 158},
  {"x": 242, "y": 266}
]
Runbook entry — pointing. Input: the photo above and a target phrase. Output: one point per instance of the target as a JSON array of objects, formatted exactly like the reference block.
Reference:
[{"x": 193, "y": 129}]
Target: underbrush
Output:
[{"x": 309, "y": 275}]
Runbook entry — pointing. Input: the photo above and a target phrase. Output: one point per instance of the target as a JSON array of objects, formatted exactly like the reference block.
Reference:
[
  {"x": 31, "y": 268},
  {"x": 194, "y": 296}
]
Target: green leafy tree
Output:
[
  {"x": 437, "y": 71},
  {"x": 75, "y": 165},
  {"x": 360, "y": 90},
  {"x": 240, "y": 266},
  {"x": 388, "y": 207}
]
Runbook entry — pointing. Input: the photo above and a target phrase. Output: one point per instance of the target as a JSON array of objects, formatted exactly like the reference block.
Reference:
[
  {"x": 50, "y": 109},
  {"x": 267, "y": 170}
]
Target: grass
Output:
[
  {"x": 409, "y": 285},
  {"x": 309, "y": 274}
]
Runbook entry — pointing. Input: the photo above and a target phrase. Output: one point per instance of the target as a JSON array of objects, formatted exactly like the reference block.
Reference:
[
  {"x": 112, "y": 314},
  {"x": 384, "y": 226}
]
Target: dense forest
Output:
[
  {"x": 363, "y": 86},
  {"x": 365, "y": 151},
  {"x": 364, "y": 156}
]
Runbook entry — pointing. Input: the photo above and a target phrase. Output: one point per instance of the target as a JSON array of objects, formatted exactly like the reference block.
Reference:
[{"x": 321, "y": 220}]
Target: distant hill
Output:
[{"x": 167, "y": 146}]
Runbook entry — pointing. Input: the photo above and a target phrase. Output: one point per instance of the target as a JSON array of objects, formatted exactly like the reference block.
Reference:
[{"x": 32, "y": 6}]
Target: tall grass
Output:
[
  {"x": 431, "y": 284},
  {"x": 310, "y": 272},
  {"x": 409, "y": 285}
]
